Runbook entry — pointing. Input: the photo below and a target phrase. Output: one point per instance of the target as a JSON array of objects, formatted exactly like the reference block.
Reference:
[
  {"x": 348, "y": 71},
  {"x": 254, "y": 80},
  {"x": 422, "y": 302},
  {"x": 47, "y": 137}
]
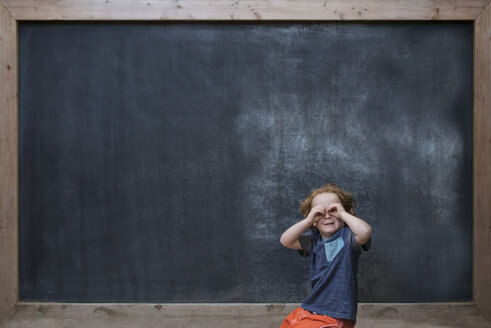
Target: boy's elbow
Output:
[
  {"x": 284, "y": 241},
  {"x": 365, "y": 236}
]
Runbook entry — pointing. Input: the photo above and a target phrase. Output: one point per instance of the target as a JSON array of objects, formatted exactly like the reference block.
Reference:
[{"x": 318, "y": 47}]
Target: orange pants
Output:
[{"x": 301, "y": 318}]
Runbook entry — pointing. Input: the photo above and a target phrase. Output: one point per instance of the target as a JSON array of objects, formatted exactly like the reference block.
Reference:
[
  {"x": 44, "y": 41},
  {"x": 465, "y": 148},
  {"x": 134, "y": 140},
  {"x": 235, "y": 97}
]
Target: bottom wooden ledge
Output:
[{"x": 230, "y": 315}]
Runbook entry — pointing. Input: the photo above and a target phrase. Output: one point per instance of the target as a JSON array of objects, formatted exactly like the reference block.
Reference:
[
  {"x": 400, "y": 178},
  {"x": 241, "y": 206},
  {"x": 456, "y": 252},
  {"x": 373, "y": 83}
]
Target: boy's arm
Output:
[
  {"x": 289, "y": 238},
  {"x": 360, "y": 228}
]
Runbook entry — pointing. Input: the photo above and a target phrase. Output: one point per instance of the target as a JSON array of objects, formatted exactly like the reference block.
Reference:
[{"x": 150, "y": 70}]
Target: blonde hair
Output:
[{"x": 345, "y": 197}]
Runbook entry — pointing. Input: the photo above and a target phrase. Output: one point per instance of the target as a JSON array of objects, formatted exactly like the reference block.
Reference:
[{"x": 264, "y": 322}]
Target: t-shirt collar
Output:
[{"x": 335, "y": 236}]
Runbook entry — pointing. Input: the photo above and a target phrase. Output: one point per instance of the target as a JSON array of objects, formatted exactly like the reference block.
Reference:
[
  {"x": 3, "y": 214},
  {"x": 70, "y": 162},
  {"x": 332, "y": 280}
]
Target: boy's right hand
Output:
[{"x": 316, "y": 214}]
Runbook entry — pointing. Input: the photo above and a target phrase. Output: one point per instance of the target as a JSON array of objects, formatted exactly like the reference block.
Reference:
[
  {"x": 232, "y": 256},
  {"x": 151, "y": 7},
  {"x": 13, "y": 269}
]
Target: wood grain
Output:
[
  {"x": 42, "y": 315},
  {"x": 8, "y": 162},
  {"x": 482, "y": 162},
  {"x": 246, "y": 9}
]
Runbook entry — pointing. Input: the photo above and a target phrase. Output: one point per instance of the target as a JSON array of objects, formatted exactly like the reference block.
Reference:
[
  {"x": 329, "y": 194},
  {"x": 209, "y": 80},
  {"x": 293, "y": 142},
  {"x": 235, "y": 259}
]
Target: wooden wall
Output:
[
  {"x": 482, "y": 162},
  {"x": 334, "y": 10},
  {"x": 8, "y": 162}
]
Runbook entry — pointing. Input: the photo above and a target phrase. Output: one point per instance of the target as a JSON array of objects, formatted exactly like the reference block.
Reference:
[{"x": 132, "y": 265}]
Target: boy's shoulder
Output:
[{"x": 354, "y": 243}]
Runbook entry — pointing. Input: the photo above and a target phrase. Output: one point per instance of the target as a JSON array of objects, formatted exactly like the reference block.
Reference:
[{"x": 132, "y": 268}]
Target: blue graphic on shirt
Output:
[{"x": 332, "y": 248}]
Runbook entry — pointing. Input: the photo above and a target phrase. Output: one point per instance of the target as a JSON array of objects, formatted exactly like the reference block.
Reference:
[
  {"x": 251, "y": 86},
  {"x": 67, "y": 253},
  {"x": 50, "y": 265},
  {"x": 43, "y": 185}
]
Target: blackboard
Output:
[{"x": 160, "y": 162}]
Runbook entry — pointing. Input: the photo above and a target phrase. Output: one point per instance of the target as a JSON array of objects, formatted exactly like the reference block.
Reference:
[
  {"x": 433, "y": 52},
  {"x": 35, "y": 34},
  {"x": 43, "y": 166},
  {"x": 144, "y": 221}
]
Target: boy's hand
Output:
[
  {"x": 316, "y": 214},
  {"x": 336, "y": 210}
]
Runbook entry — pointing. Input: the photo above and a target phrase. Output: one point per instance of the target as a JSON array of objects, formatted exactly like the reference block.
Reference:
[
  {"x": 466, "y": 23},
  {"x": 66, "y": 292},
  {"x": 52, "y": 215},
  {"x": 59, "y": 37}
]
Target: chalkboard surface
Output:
[{"x": 160, "y": 162}]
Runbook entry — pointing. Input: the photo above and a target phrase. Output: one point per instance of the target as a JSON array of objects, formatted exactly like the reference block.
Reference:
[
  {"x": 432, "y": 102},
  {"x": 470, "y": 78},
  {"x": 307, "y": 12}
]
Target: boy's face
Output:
[{"x": 329, "y": 224}]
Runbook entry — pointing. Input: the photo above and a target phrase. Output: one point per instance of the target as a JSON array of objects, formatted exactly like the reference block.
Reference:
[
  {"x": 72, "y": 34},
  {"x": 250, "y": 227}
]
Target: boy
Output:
[{"x": 334, "y": 244}]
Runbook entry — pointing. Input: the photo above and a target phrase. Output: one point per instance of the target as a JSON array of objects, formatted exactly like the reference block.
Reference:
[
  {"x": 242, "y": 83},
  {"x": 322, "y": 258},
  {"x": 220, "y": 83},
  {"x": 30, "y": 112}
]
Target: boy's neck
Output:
[{"x": 325, "y": 236}]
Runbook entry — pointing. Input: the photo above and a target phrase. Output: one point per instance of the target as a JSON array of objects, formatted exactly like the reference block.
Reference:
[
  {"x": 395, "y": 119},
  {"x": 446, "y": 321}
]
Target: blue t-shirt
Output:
[{"x": 333, "y": 272}]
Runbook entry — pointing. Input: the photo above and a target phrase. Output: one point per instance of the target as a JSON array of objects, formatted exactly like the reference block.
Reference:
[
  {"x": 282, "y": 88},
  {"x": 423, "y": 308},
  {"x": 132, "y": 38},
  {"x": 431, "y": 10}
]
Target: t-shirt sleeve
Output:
[
  {"x": 358, "y": 247},
  {"x": 305, "y": 240}
]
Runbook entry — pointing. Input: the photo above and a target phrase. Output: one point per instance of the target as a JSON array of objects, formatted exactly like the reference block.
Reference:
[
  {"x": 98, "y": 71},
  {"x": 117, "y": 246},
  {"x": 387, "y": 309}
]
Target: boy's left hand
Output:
[{"x": 336, "y": 210}]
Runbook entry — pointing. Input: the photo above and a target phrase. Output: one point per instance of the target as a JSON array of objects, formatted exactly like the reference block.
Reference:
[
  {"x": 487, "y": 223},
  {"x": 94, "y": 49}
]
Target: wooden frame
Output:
[{"x": 12, "y": 11}]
